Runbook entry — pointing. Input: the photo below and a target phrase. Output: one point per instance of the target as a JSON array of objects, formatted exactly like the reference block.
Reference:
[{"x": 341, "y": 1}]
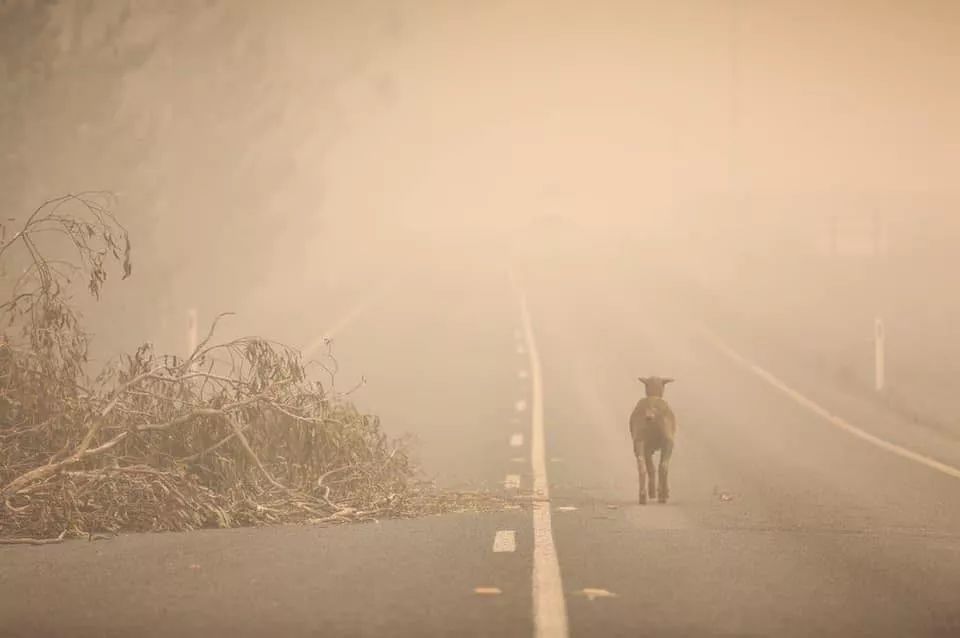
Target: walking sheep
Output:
[{"x": 653, "y": 427}]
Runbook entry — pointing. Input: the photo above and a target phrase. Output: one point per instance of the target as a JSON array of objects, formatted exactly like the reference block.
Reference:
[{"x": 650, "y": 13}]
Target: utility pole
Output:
[
  {"x": 733, "y": 59},
  {"x": 734, "y": 204}
]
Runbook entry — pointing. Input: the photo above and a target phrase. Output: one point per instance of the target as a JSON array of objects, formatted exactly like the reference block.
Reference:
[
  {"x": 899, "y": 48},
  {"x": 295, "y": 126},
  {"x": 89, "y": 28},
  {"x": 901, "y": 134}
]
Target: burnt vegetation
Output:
[{"x": 237, "y": 433}]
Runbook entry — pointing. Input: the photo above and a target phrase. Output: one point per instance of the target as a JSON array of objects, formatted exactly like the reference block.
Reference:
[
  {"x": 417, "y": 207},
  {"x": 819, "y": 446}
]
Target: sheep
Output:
[{"x": 653, "y": 427}]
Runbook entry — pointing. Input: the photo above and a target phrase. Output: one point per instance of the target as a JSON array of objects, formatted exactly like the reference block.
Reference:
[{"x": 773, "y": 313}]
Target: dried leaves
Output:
[{"x": 235, "y": 434}]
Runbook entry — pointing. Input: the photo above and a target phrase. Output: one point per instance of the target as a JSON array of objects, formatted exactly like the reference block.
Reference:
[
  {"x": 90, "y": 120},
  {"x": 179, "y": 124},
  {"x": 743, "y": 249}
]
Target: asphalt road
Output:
[{"x": 781, "y": 523}]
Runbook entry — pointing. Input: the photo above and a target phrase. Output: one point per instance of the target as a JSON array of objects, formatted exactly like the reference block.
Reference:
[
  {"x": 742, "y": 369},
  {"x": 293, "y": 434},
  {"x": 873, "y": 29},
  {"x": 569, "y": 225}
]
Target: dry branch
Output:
[
  {"x": 157, "y": 443},
  {"x": 32, "y": 541}
]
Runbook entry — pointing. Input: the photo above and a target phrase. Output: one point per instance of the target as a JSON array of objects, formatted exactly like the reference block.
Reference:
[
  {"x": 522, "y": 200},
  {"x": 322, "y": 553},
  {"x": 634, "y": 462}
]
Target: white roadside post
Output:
[
  {"x": 878, "y": 354},
  {"x": 879, "y": 333},
  {"x": 191, "y": 331}
]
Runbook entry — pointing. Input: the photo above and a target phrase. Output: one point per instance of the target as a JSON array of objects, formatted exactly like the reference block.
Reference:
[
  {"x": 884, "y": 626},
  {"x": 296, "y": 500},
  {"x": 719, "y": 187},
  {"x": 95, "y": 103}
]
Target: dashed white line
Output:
[
  {"x": 592, "y": 593},
  {"x": 834, "y": 420},
  {"x": 512, "y": 481},
  {"x": 523, "y": 374},
  {"x": 521, "y": 405},
  {"x": 505, "y": 541},
  {"x": 549, "y": 605},
  {"x": 516, "y": 440}
]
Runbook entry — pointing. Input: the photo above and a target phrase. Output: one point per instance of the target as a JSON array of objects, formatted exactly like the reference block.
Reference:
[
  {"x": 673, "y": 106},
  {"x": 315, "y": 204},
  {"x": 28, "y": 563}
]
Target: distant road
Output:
[{"x": 781, "y": 523}]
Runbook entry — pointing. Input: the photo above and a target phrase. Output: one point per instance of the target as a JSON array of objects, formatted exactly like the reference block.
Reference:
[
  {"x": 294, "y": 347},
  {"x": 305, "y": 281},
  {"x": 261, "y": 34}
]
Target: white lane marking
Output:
[
  {"x": 593, "y": 593},
  {"x": 549, "y": 605},
  {"x": 505, "y": 541},
  {"x": 512, "y": 481},
  {"x": 567, "y": 508},
  {"x": 521, "y": 349},
  {"x": 516, "y": 440},
  {"x": 518, "y": 459},
  {"x": 521, "y": 405},
  {"x": 834, "y": 420},
  {"x": 487, "y": 591},
  {"x": 522, "y": 374}
]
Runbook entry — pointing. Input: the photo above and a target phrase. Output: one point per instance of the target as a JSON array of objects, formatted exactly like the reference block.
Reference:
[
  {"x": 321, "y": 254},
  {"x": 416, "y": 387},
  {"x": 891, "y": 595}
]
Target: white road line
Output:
[
  {"x": 512, "y": 481},
  {"x": 522, "y": 374},
  {"x": 521, "y": 405},
  {"x": 516, "y": 440},
  {"x": 521, "y": 349},
  {"x": 549, "y": 605},
  {"x": 505, "y": 541},
  {"x": 834, "y": 420}
]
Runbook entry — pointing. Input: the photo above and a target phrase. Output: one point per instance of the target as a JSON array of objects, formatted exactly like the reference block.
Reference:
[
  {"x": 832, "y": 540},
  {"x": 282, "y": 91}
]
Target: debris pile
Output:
[{"x": 235, "y": 434}]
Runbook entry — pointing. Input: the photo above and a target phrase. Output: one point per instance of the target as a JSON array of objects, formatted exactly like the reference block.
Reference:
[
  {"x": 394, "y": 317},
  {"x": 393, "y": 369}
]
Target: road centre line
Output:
[
  {"x": 505, "y": 540},
  {"x": 549, "y": 605}
]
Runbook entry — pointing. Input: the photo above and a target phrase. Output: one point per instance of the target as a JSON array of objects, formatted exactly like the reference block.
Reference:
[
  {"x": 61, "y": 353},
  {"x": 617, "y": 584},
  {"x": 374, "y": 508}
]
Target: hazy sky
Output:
[
  {"x": 316, "y": 131},
  {"x": 602, "y": 106}
]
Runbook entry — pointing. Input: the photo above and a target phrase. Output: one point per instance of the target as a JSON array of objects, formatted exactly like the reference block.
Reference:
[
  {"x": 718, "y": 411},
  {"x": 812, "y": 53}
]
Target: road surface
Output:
[{"x": 782, "y": 523}]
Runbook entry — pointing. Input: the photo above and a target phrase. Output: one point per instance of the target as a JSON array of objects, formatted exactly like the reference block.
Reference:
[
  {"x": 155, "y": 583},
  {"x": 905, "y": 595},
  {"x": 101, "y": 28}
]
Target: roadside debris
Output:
[
  {"x": 593, "y": 594},
  {"x": 723, "y": 496},
  {"x": 235, "y": 433}
]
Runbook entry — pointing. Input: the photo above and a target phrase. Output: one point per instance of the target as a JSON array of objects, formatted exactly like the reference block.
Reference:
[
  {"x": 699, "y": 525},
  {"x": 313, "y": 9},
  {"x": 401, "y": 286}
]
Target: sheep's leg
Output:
[
  {"x": 641, "y": 470},
  {"x": 665, "y": 453},
  {"x": 651, "y": 472}
]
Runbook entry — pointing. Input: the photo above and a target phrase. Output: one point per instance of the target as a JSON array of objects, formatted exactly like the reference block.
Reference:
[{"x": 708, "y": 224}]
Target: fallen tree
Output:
[{"x": 236, "y": 433}]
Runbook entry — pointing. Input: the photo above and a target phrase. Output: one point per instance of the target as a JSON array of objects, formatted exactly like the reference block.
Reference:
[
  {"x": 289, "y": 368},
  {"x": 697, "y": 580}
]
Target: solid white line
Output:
[
  {"x": 516, "y": 440},
  {"x": 512, "y": 481},
  {"x": 505, "y": 541},
  {"x": 549, "y": 606},
  {"x": 834, "y": 420}
]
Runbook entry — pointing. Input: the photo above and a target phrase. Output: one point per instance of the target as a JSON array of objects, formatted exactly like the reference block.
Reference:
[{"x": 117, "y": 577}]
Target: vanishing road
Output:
[{"x": 796, "y": 511}]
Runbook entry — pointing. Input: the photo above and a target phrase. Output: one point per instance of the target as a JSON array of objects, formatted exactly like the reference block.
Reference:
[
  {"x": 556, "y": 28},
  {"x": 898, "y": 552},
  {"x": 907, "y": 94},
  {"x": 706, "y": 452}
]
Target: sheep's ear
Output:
[
  {"x": 642, "y": 380},
  {"x": 667, "y": 380}
]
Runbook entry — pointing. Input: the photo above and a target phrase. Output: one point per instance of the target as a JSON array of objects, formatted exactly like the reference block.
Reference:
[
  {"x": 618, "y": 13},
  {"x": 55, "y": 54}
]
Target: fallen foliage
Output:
[{"x": 235, "y": 434}]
